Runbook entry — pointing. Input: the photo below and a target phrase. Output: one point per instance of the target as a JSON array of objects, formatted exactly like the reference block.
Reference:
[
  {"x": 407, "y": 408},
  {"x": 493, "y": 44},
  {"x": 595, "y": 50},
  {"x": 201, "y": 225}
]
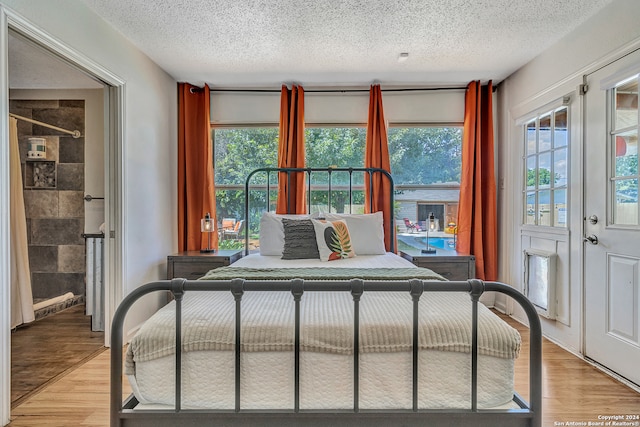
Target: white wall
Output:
[
  {"x": 556, "y": 73},
  {"x": 149, "y": 147}
]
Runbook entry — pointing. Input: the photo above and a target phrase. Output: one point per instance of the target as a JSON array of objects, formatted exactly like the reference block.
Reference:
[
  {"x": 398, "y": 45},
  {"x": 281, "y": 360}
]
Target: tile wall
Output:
[{"x": 55, "y": 215}]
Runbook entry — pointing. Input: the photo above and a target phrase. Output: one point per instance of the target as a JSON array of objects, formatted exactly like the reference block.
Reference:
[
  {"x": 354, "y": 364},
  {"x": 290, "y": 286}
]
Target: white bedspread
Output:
[{"x": 153, "y": 356}]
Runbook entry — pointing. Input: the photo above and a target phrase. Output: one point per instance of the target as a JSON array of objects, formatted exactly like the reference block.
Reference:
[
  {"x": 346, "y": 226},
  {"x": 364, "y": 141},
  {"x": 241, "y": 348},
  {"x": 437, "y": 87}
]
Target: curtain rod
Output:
[
  {"x": 74, "y": 133},
  {"x": 426, "y": 89}
]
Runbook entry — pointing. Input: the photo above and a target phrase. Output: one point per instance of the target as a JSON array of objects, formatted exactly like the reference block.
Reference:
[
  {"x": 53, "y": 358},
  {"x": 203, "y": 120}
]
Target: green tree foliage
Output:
[
  {"x": 419, "y": 155},
  {"x": 425, "y": 155},
  {"x": 339, "y": 147},
  {"x": 544, "y": 177},
  {"x": 237, "y": 152},
  {"x": 627, "y": 165},
  {"x": 627, "y": 189}
]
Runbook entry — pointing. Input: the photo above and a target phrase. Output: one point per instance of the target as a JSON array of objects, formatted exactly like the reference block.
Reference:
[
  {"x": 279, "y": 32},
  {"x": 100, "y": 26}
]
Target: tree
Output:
[
  {"x": 419, "y": 155},
  {"x": 544, "y": 177},
  {"x": 627, "y": 189},
  {"x": 237, "y": 152},
  {"x": 627, "y": 165},
  {"x": 425, "y": 155},
  {"x": 339, "y": 147}
]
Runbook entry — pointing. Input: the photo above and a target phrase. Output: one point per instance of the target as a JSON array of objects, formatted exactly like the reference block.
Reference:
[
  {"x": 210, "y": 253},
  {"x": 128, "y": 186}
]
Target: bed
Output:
[{"x": 368, "y": 339}]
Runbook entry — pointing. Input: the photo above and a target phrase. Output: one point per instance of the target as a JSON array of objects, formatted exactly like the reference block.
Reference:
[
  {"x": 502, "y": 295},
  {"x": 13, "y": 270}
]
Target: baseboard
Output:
[
  {"x": 500, "y": 306},
  {"x": 633, "y": 386},
  {"x": 488, "y": 299},
  {"x": 55, "y": 308}
]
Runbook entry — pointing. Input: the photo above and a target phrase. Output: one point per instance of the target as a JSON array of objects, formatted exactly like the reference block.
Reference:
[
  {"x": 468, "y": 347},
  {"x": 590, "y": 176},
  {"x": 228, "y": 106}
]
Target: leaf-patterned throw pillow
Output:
[{"x": 333, "y": 239}]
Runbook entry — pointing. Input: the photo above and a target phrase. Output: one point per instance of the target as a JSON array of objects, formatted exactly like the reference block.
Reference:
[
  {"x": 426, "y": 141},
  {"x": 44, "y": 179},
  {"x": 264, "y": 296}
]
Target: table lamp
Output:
[
  {"x": 207, "y": 225},
  {"x": 431, "y": 226}
]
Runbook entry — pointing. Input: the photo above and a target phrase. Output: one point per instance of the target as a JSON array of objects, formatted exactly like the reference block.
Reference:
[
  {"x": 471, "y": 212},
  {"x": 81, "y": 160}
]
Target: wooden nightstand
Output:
[
  {"x": 194, "y": 264},
  {"x": 448, "y": 264}
]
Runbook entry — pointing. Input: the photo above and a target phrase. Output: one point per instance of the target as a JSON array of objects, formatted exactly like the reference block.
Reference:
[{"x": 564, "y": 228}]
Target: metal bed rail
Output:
[
  {"x": 529, "y": 414},
  {"x": 370, "y": 173}
]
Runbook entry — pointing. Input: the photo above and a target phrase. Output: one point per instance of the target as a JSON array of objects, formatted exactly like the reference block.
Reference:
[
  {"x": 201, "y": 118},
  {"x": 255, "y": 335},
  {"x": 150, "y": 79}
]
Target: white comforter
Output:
[{"x": 326, "y": 377}]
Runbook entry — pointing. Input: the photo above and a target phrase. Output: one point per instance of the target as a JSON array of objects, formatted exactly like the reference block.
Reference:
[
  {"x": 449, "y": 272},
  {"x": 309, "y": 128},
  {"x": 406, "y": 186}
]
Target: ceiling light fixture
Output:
[{"x": 403, "y": 56}]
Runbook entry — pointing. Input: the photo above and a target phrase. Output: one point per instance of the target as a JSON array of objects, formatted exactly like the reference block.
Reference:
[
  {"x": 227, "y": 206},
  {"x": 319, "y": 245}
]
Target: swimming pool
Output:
[
  {"x": 420, "y": 241},
  {"x": 447, "y": 243}
]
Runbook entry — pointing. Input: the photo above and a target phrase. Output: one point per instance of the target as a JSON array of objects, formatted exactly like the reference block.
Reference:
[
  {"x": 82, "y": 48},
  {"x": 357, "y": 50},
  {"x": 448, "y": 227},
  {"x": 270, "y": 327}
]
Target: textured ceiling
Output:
[
  {"x": 342, "y": 42},
  {"x": 263, "y": 43}
]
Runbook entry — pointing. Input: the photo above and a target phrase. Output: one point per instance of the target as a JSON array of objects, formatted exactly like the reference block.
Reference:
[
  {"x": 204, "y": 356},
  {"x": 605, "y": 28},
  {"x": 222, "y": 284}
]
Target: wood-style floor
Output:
[
  {"x": 572, "y": 389},
  {"x": 573, "y": 392},
  {"x": 47, "y": 348}
]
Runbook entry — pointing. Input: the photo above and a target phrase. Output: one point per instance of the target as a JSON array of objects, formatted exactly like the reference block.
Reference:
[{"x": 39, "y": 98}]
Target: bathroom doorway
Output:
[{"x": 60, "y": 127}]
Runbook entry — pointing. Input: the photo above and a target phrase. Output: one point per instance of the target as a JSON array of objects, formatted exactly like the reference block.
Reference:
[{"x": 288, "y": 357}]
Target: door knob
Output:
[
  {"x": 593, "y": 219},
  {"x": 592, "y": 238}
]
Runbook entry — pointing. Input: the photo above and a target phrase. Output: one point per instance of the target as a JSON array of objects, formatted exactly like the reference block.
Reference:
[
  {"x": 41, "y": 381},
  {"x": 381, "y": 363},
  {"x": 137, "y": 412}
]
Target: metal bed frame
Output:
[
  {"x": 124, "y": 413},
  {"x": 529, "y": 414},
  {"x": 329, "y": 188}
]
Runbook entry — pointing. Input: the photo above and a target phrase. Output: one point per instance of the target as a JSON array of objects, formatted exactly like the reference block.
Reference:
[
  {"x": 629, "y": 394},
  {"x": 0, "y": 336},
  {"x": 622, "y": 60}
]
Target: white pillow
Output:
[
  {"x": 272, "y": 232},
  {"x": 366, "y": 230}
]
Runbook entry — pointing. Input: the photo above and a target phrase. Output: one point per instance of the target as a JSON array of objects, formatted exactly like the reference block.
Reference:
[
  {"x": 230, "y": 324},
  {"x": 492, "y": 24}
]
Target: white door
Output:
[{"x": 612, "y": 262}]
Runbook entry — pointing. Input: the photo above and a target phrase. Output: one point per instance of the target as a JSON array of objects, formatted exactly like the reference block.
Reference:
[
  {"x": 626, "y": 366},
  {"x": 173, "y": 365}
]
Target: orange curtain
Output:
[
  {"x": 291, "y": 193},
  {"x": 477, "y": 211},
  {"x": 376, "y": 155},
  {"x": 196, "y": 191}
]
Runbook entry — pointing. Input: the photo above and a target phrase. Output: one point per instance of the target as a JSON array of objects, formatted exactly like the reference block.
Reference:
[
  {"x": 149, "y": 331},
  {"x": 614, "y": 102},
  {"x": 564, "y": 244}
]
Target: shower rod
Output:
[{"x": 74, "y": 133}]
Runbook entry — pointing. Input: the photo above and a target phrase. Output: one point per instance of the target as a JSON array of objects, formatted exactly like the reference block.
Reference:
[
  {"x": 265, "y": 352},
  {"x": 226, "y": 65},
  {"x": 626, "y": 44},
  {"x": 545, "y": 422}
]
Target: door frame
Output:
[{"x": 114, "y": 96}]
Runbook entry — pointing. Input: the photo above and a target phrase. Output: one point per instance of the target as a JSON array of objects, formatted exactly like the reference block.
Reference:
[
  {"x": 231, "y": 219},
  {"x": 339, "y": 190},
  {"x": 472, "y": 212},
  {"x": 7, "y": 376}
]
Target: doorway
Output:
[
  {"x": 612, "y": 221},
  {"x": 58, "y": 114},
  {"x": 112, "y": 137}
]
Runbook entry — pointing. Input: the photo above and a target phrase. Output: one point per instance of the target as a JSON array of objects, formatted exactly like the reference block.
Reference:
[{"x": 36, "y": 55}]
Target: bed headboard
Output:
[{"x": 333, "y": 181}]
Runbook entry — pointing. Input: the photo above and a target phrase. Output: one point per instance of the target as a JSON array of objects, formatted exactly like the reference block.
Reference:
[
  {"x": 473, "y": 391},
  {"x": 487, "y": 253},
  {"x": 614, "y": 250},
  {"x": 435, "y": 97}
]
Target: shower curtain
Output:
[{"x": 21, "y": 296}]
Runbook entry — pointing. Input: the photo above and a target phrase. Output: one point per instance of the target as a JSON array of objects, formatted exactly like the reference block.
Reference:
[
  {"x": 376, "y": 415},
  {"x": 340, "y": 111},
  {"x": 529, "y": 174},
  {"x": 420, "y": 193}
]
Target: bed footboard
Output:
[{"x": 528, "y": 414}]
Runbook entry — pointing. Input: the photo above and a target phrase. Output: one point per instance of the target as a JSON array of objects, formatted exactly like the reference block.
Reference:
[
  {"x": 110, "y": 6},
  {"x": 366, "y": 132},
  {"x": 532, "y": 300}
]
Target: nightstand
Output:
[
  {"x": 448, "y": 264},
  {"x": 195, "y": 264}
]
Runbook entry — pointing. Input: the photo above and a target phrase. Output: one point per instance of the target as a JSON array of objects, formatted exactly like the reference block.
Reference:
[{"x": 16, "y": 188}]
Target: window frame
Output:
[
  {"x": 613, "y": 131},
  {"x": 397, "y": 187},
  {"x": 447, "y": 204},
  {"x": 214, "y": 126},
  {"x": 552, "y": 188}
]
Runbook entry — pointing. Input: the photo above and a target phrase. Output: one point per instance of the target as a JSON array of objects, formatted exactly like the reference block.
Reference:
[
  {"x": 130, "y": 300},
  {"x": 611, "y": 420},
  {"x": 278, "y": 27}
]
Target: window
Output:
[
  {"x": 546, "y": 160},
  {"x": 624, "y": 152},
  {"x": 236, "y": 152},
  {"x": 425, "y": 162},
  {"x": 240, "y": 150},
  {"x": 339, "y": 147},
  {"x": 425, "y": 155}
]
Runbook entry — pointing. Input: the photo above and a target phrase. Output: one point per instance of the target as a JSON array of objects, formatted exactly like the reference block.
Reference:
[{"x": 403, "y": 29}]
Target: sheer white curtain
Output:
[{"x": 21, "y": 296}]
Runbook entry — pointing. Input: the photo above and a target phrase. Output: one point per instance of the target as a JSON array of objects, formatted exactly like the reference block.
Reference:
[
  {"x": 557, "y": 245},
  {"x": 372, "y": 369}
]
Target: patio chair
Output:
[
  {"x": 411, "y": 227},
  {"x": 234, "y": 233},
  {"x": 227, "y": 224}
]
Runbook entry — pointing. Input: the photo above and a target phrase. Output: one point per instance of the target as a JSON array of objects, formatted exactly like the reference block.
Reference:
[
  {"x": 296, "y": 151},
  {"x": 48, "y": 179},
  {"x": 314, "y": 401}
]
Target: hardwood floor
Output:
[
  {"x": 573, "y": 392},
  {"x": 80, "y": 398},
  {"x": 47, "y": 348}
]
